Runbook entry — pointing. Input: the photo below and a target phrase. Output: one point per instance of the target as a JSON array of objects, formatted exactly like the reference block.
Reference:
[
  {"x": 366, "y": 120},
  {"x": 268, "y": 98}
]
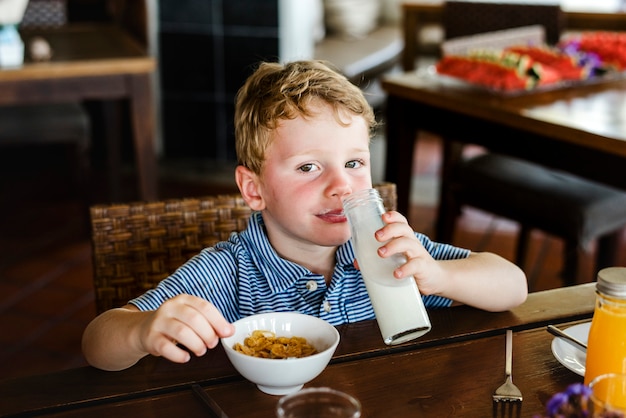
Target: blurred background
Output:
[{"x": 203, "y": 51}]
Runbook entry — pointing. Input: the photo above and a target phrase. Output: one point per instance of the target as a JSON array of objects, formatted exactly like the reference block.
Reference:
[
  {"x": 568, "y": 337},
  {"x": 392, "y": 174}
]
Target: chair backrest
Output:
[
  {"x": 136, "y": 245},
  {"x": 463, "y": 18},
  {"x": 132, "y": 16},
  {"x": 44, "y": 14}
]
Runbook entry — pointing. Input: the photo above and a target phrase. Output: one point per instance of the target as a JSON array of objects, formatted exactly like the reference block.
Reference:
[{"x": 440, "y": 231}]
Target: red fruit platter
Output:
[{"x": 586, "y": 58}]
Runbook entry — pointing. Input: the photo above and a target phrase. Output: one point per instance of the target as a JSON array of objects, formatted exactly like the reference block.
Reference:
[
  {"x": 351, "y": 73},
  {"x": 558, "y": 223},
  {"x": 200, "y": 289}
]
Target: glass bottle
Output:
[
  {"x": 606, "y": 346},
  {"x": 11, "y": 46},
  {"x": 397, "y": 303}
]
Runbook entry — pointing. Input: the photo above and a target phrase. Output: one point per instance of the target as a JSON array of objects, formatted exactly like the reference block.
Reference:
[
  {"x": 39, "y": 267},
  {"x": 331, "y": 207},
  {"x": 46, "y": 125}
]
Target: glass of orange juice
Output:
[
  {"x": 608, "y": 396},
  {"x": 607, "y": 342}
]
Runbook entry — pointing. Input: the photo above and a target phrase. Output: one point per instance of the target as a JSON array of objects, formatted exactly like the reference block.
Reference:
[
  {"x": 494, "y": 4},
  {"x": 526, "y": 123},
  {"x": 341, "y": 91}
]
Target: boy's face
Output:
[{"x": 310, "y": 166}]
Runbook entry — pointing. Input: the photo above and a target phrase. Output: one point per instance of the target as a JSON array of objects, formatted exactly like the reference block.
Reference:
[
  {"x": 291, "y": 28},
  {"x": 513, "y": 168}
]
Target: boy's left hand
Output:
[{"x": 400, "y": 239}]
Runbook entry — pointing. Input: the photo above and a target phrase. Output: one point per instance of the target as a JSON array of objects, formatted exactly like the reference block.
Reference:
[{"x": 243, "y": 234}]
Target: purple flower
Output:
[
  {"x": 578, "y": 389},
  {"x": 556, "y": 403},
  {"x": 572, "y": 403},
  {"x": 586, "y": 59}
]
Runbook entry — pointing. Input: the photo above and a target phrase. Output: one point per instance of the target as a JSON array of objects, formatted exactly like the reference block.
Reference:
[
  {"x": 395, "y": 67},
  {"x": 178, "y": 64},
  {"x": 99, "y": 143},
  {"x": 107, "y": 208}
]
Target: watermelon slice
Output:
[{"x": 556, "y": 64}]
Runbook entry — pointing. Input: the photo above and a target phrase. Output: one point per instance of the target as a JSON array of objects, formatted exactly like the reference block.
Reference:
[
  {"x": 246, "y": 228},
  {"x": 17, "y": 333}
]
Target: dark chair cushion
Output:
[{"x": 556, "y": 202}]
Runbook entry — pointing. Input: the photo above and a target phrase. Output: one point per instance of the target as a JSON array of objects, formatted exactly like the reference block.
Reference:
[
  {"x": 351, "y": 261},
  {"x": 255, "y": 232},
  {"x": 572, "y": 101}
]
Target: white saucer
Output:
[{"x": 570, "y": 355}]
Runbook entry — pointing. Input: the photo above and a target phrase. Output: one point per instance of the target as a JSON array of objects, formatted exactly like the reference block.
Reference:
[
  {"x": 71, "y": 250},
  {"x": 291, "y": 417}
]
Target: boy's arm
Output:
[
  {"x": 483, "y": 280},
  {"x": 109, "y": 340},
  {"x": 120, "y": 337}
]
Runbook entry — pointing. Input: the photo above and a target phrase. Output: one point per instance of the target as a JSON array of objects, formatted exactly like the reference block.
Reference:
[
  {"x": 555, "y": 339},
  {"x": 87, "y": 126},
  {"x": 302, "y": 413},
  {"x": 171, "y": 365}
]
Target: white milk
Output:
[{"x": 398, "y": 305}]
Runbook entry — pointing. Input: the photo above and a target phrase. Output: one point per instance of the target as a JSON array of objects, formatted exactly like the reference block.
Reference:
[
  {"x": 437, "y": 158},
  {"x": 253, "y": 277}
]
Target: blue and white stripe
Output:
[{"x": 244, "y": 275}]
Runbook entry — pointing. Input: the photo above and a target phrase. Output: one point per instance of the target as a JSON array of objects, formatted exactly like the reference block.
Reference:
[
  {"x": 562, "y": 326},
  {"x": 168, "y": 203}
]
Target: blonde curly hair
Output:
[{"x": 276, "y": 92}]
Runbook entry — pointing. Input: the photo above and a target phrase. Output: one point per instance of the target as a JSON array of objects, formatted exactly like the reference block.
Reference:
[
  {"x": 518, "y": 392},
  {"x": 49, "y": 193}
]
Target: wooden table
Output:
[
  {"x": 577, "y": 129},
  {"x": 93, "y": 62},
  {"x": 451, "y": 371},
  {"x": 416, "y": 14}
]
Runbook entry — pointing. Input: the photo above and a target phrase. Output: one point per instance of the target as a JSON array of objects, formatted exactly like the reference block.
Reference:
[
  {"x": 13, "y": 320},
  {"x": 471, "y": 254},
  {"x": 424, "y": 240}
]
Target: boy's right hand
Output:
[{"x": 186, "y": 320}]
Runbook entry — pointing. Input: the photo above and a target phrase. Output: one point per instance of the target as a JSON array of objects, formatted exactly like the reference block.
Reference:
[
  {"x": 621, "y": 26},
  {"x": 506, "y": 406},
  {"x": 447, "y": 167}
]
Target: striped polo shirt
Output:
[{"x": 244, "y": 276}]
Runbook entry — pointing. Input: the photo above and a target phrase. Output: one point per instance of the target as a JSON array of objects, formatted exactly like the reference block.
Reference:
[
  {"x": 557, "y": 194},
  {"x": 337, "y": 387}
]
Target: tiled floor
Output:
[{"x": 46, "y": 298}]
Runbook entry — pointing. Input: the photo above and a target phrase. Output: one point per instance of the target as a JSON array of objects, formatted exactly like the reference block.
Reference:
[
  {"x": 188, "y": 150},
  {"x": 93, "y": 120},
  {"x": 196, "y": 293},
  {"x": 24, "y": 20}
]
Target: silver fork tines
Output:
[{"x": 507, "y": 393}]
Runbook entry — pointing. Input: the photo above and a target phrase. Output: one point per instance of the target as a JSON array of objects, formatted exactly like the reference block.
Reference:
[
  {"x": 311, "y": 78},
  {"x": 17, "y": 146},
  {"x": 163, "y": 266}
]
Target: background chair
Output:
[
  {"x": 574, "y": 209},
  {"x": 464, "y": 18},
  {"x": 136, "y": 245}
]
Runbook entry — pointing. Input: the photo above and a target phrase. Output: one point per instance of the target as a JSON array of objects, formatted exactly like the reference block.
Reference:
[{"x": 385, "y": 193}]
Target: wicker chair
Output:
[{"x": 136, "y": 245}]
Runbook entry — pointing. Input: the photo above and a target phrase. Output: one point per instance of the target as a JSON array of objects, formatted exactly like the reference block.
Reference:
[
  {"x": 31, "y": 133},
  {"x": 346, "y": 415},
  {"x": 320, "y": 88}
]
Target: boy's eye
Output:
[
  {"x": 307, "y": 168},
  {"x": 354, "y": 164}
]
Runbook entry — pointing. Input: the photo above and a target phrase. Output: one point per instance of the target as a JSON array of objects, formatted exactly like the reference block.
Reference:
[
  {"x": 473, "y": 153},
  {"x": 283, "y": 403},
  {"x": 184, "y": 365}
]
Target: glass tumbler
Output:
[
  {"x": 608, "y": 396},
  {"x": 318, "y": 403}
]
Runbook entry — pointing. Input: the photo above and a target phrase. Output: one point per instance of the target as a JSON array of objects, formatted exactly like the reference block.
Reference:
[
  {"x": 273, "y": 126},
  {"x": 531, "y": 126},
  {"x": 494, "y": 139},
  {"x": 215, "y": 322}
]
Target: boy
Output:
[{"x": 302, "y": 136}]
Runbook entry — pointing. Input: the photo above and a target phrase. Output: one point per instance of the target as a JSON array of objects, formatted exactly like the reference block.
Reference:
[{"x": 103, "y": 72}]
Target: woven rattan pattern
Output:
[{"x": 136, "y": 245}]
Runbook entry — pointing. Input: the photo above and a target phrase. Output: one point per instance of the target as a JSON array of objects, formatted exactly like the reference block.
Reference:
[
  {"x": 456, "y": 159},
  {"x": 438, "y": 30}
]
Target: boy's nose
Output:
[{"x": 339, "y": 186}]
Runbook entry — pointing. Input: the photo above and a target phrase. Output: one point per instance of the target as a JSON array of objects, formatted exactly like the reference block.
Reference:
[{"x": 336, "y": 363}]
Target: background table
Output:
[
  {"x": 93, "y": 62},
  {"x": 580, "y": 129}
]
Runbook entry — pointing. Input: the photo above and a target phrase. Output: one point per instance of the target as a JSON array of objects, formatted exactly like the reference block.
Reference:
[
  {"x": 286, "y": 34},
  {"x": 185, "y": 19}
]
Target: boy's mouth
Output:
[{"x": 332, "y": 216}]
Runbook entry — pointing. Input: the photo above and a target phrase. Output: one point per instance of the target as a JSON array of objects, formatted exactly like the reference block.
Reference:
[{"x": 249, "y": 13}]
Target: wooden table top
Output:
[
  {"x": 578, "y": 128},
  {"x": 591, "y": 114},
  {"x": 83, "y": 50},
  {"x": 574, "y": 8},
  {"x": 453, "y": 380},
  {"x": 455, "y": 366}
]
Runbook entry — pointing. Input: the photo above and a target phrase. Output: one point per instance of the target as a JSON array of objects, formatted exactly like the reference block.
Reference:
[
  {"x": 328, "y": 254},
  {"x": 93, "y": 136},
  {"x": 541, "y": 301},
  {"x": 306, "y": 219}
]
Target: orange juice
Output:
[{"x": 606, "y": 352}]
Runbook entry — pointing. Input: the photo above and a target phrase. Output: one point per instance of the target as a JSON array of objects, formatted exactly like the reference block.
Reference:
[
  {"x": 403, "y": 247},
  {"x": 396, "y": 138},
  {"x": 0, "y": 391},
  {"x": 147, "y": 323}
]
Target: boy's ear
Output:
[{"x": 248, "y": 183}]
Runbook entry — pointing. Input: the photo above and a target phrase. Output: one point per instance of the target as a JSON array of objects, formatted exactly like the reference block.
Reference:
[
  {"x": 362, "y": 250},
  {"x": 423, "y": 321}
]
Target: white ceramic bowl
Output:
[{"x": 282, "y": 376}]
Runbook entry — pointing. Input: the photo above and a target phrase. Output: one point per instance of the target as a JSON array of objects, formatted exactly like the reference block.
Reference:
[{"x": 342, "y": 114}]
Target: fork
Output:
[{"x": 508, "y": 394}]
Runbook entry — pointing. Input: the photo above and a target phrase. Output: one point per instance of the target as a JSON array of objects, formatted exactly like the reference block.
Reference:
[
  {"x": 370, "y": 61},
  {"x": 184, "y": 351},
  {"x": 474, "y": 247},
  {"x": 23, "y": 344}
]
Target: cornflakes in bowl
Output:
[{"x": 281, "y": 351}]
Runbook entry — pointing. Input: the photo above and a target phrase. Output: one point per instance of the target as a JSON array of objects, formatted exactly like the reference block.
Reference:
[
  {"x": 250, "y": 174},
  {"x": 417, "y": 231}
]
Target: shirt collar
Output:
[{"x": 280, "y": 273}]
